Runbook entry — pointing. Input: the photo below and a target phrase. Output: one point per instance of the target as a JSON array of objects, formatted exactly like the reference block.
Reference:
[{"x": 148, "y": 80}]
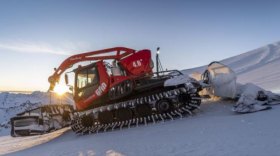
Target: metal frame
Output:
[{"x": 158, "y": 76}]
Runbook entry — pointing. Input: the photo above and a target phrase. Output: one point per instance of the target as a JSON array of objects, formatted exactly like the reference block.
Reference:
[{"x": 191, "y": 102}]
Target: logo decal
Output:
[
  {"x": 101, "y": 89},
  {"x": 75, "y": 58},
  {"x": 98, "y": 92},
  {"x": 137, "y": 63}
]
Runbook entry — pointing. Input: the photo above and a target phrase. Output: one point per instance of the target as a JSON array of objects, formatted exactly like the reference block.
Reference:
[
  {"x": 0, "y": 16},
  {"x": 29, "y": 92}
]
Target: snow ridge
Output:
[{"x": 259, "y": 66}]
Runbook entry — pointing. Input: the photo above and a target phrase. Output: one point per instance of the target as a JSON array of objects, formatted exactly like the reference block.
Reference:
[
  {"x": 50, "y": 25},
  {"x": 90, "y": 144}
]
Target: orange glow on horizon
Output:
[{"x": 61, "y": 89}]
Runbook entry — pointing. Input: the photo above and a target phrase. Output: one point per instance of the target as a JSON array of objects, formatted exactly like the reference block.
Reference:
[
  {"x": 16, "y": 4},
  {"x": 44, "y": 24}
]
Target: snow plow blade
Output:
[{"x": 41, "y": 120}]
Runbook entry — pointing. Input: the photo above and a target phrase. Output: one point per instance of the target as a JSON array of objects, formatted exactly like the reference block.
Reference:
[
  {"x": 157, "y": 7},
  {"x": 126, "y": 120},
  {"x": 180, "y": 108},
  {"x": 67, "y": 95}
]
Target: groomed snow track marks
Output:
[{"x": 181, "y": 110}]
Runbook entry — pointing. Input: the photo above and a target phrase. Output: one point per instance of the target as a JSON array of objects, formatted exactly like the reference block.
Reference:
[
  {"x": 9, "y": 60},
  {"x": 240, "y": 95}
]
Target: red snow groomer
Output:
[{"x": 126, "y": 92}]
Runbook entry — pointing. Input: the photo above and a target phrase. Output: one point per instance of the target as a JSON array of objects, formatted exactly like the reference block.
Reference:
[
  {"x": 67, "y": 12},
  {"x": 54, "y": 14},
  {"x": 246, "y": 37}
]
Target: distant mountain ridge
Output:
[{"x": 17, "y": 92}]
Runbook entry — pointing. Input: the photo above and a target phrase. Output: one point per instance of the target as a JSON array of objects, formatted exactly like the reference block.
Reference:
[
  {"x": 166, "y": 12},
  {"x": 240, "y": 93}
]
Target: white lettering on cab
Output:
[
  {"x": 98, "y": 91},
  {"x": 137, "y": 63}
]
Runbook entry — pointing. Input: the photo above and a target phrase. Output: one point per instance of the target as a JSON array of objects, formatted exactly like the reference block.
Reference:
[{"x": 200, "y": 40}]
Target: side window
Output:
[
  {"x": 92, "y": 78},
  {"x": 82, "y": 79}
]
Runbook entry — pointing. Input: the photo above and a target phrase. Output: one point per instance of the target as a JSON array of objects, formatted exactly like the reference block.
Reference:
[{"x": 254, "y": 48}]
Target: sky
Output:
[{"x": 36, "y": 36}]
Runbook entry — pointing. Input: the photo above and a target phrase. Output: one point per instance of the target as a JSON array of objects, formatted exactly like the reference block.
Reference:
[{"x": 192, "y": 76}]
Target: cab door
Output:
[
  {"x": 91, "y": 84},
  {"x": 87, "y": 81}
]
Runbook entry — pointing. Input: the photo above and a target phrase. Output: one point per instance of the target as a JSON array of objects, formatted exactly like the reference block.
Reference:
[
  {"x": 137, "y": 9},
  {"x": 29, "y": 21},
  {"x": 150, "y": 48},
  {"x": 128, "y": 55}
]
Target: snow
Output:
[
  {"x": 15, "y": 144},
  {"x": 182, "y": 79},
  {"x": 248, "y": 99},
  {"x": 213, "y": 130}
]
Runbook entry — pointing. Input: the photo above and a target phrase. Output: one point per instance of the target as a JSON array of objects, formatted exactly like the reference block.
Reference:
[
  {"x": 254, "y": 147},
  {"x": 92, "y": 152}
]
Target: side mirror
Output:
[
  {"x": 66, "y": 79},
  {"x": 71, "y": 88}
]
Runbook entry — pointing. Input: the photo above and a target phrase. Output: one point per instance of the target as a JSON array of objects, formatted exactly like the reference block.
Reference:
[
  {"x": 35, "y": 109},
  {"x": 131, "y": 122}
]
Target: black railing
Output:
[{"x": 161, "y": 75}]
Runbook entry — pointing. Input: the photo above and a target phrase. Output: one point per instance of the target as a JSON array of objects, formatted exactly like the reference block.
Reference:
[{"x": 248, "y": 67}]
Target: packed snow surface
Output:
[
  {"x": 215, "y": 130},
  {"x": 9, "y": 145}
]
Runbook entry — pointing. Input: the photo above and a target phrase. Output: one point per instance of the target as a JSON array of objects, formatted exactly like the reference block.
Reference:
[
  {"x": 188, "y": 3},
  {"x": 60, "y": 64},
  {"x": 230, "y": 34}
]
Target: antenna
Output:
[
  {"x": 158, "y": 63},
  {"x": 157, "y": 60}
]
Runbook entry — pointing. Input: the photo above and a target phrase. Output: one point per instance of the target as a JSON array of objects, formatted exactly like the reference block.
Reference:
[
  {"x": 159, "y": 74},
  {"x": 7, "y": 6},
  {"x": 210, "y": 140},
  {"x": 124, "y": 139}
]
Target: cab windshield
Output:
[{"x": 86, "y": 78}]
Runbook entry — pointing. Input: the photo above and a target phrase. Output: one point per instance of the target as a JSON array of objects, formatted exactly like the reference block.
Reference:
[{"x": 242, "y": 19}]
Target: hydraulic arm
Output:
[{"x": 88, "y": 56}]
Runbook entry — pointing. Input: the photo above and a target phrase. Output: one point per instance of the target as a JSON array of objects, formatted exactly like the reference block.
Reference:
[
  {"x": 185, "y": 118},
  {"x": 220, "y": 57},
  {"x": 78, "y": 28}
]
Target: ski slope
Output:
[
  {"x": 213, "y": 130},
  {"x": 259, "y": 66}
]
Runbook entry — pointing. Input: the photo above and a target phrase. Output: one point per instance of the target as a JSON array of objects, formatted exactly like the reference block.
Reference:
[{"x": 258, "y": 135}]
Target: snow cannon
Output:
[{"x": 221, "y": 79}]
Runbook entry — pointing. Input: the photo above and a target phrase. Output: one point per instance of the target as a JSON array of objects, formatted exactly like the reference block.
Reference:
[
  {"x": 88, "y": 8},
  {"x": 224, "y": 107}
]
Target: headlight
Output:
[
  {"x": 121, "y": 90},
  {"x": 112, "y": 89},
  {"x": 112, "y": 92}
]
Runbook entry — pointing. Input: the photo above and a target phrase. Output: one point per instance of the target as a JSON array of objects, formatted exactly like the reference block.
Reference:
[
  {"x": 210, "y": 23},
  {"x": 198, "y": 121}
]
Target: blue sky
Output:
[{"x": 36, "y": 36}]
